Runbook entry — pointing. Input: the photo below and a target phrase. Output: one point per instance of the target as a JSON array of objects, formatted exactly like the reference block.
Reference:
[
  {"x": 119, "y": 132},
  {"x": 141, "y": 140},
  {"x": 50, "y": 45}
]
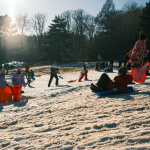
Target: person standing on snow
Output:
[
  {"x": 120, "y": 60},
  {"x": 84, "y": 72},
  {"x": 27, "y": 67},
  {"x": 54, "y": 71},
  {"x": 18, "y": 82},
  {"x": 138, "y": 53},
  {"x": 3, "y": 82}
]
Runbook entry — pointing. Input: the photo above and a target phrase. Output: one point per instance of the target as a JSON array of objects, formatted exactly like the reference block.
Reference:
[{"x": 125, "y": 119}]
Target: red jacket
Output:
[
  {"x": 27, "y": 67},
  {"x": 120, "y": 82}
]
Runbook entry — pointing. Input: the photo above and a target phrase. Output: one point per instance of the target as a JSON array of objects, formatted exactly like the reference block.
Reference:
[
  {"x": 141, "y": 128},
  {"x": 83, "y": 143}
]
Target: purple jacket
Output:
[
  {"x": 18, "y": 79},
  {"x": 2, "y": 81}
]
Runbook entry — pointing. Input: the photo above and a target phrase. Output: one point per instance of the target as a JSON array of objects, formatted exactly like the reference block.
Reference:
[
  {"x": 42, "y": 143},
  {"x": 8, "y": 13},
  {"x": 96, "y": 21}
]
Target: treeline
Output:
[{"x": 73, "y": 35}]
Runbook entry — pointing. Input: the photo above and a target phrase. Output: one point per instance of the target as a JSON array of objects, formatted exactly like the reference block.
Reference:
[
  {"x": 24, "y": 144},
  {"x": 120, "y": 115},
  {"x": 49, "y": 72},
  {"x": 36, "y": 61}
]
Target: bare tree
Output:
[
  {"x": 90, "y": 26},
  {"x": 79, "y": 21},
  {"x": 67, "y": 16},
  {"x": 23, "y": 23},
  {"x": 38, "y": 23}
]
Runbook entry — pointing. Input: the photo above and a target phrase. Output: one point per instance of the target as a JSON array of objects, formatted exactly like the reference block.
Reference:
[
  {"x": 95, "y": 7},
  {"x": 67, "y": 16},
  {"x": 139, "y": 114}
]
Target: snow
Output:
[{"x": 71, "y": 117}]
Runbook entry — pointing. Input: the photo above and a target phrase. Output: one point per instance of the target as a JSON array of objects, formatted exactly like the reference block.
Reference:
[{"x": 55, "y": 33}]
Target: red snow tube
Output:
[
  {"x": 5, "y": 95},
  {"x": 138, "y": 75}
]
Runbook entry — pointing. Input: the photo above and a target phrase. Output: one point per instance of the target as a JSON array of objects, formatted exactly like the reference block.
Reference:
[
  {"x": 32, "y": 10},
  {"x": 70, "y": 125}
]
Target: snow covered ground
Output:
[{"x": 71, "y": 117}]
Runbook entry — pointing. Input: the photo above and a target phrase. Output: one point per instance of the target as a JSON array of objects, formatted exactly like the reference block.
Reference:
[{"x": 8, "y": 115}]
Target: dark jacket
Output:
[{"x": 54, "y": 70}]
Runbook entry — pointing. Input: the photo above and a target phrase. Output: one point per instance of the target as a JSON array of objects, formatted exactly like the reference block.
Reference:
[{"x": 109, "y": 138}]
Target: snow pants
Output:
[
  {"x": 103, "y": 82},
  {"x": 51, "y": 78},
  {"x": 82, "y": 76},
  {"x": 17, "y": 92}
]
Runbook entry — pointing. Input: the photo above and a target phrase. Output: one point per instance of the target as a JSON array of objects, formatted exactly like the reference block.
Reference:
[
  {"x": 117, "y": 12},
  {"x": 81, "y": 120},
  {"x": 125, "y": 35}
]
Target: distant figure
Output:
[
  {"x": 120, "y": 60},
  {"x": 32, "y": 74},
  {"x": 97, "y": 66},
  {"x": 108, "y": 68},
  {"x": 27, "y": 67},
  {"x": 54, "y": 71},
  {"x": 128, "y": 66},
  {"x": 84, "y": 72},
  {"x": 6, "y": 66},
  {"x": 99, "y": 58},
  {"x": 29, "y": 77},
  {"x": 3, "y": 82},
  {"x": 111, "y": 63}
]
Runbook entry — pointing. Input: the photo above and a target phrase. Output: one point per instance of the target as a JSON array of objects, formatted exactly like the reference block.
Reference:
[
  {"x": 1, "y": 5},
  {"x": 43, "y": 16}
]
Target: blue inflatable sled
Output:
[{"x": 111, "y": 92}]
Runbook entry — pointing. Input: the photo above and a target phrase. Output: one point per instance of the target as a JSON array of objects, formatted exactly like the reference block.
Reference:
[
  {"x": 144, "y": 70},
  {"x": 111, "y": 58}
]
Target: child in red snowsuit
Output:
[
  {"x": 18, "y": 82},
  {"x": 120, "y": 82},
  {"x": 84, "y": 72}
]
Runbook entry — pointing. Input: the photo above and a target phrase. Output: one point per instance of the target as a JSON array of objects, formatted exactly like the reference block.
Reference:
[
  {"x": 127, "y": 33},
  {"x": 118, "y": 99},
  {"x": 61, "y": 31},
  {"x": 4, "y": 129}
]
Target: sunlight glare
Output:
[{"x": 12, "y": 4}]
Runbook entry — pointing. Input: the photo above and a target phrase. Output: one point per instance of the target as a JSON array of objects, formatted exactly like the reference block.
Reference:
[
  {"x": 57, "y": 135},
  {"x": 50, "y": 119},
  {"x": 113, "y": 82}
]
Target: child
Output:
[
  {"x": 2, "y": 79},
  {"x": 18, "y": 82},
  {"x": 120, "y": 82},
  {"x": 27, "y": 67},
  {"x": 137, "y": 54},
  {"x": 29, "y": 77},
  {"x": 84, "y": 72},
  {"x": 54, "y": 71},
  {"x": 5, "y": 91},
  {"x": 108, "y": 68},
  {"x": 32, "y": 74}
]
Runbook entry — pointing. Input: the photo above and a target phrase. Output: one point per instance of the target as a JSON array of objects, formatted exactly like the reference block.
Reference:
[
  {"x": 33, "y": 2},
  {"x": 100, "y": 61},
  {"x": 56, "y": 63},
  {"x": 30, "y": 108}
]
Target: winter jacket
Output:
[
  {"x": 120, "y": 82},
  {"x": 2, "y": 81},
  {"x": 54, "y": 70},
  {"x": 138, "y": 51},
  {"x": 120, "y": 59},
  {"x": 27, "y": 67},
  {"x": 84, "y": 69},
  {"x": 18, "y": 79}
]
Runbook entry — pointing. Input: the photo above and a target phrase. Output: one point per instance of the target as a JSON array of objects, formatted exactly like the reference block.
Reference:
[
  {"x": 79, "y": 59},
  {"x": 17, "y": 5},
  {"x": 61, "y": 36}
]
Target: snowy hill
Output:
[{"x": 71, "y": 117}]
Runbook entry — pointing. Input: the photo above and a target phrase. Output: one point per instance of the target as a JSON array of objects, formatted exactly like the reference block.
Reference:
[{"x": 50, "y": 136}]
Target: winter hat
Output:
[
  {"x": 142, "y": 36},
  {"x": 19, "y": 69},
  {"x": 3, "y": 71},
  {"x": 122, "y": 70}
]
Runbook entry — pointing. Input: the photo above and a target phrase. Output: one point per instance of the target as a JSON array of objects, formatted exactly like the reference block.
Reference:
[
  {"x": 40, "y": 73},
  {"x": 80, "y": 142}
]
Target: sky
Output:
[{"x": 56, "y": 7}]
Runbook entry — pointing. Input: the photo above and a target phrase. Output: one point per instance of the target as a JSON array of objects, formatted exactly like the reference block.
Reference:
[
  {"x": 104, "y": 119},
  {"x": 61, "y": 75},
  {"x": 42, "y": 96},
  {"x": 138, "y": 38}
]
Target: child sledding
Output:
[{"x": 120, "y": 82}]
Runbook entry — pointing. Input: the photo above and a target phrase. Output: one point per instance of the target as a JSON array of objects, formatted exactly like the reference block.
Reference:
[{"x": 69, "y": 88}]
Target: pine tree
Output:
[
  {"x": 57, "y": 37},
  {"x": 145, "y": 18}
]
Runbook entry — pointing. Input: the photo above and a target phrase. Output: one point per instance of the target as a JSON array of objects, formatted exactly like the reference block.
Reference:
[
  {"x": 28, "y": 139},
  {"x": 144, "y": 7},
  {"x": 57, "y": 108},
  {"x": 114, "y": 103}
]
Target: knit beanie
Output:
[
  {"x": 19, "y": 69},
  {"x": 3, "y": 71},
  {"x": 123, "y": 70}
]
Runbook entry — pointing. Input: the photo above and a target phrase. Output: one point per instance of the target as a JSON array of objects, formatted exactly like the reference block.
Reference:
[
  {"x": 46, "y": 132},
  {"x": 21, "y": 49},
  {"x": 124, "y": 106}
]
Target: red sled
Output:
[{"x": 72, "y": 81}]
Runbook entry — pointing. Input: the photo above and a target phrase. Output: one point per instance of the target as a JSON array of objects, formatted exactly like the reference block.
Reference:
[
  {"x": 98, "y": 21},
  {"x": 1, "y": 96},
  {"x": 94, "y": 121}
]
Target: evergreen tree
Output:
[
  {"x": 57, "y": 38},
  {"x": 145, "y": 18},
  {"x": 105, "y": 17}
]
